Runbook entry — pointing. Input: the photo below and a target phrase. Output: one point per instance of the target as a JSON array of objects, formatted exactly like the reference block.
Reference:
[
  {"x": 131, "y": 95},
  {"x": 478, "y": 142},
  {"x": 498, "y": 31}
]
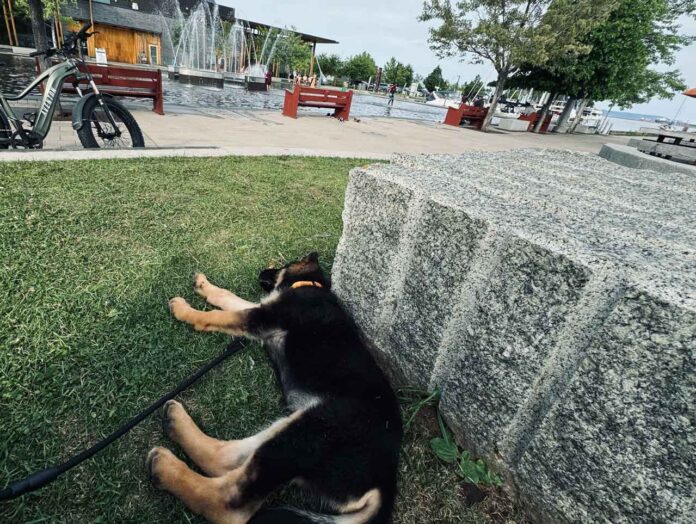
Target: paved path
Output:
[{"x": 247, "y": 132}]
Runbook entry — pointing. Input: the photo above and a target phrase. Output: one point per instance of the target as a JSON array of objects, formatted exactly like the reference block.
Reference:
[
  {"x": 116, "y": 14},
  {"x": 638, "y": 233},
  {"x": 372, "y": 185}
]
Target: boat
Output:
[{"x": 443, "y": 99}]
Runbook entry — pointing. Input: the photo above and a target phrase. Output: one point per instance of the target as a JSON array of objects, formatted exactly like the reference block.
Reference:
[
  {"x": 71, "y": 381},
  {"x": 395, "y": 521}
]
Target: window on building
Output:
[
  {"x": 102, "y": 1},
  {"x": 154, "y": 54}
]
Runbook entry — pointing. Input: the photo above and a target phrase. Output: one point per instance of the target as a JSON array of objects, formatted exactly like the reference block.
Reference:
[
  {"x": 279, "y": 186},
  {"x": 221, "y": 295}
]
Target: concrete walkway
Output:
[{"x": 245, "y": 132}]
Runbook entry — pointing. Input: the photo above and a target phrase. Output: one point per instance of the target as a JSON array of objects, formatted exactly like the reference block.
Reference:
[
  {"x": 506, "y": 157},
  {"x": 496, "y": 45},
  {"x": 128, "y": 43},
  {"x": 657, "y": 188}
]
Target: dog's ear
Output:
[
  {"x": 312, "y": 258},
  {"x": 267, "y": 279}
]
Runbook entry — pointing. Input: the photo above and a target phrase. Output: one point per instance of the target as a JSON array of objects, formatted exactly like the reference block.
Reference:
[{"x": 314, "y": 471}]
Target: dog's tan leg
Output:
[
  {"x": 215, "y": 457},
  {"x": 217, "y": 499},
  {"x": 230, "y": 322},
  {"x": 219, "y": 297}
]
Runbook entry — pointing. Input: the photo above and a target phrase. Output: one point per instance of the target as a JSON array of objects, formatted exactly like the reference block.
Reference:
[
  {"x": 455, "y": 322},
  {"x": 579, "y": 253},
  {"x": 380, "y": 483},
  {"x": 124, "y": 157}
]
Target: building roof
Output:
[{"x": 306, "y": 37}]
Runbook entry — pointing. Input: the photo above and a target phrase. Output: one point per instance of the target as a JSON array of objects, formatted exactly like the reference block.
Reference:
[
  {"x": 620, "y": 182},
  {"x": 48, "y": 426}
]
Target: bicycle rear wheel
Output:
[{"x": 98, "y": 132}]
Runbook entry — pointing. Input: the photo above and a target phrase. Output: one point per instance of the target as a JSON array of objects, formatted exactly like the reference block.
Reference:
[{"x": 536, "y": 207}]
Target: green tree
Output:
[
  {"x": 39, "y": 11},
  {"x": 397, "y": 73},
  {"x": 638, "y": 35},
  {"x": 360, "y": 67},
  {"x": 434, "y": 80},
  {"x": 508, "y": 33},
  {"x": 331, "y": 65},
  {"x": 292, "y": 53},
  {"x": 475, "y": 86}
]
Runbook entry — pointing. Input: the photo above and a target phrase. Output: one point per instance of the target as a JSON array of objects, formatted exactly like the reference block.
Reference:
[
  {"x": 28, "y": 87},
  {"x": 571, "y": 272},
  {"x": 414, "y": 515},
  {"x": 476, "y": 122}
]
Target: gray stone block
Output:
[
  {"x": 619, "y": 445},
  {"x": 373, "y": 218},
  {"x": 436, "y": 253},
  {"x": 551, "y": 296},
  {"x": 498, "y": 348},
  {"x": 628, "y": 156}
]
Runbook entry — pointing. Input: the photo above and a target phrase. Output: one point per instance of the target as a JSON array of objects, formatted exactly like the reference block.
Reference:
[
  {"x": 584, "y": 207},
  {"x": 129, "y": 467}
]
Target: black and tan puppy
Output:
[{"x": 342, "y": 436}]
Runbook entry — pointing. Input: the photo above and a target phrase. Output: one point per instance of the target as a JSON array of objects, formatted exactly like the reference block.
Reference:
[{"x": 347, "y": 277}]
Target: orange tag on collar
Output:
[{"x": 305, "y": 283}]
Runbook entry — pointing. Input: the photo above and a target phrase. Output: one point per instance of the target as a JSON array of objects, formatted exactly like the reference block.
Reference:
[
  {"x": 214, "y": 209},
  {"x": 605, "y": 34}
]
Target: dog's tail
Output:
[{"x": 369, "y": 510}]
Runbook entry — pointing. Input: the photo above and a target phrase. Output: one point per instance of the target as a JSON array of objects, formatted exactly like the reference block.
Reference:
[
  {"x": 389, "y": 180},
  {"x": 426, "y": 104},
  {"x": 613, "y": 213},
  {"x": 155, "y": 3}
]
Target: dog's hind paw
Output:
[
  {"x": 177, "y": 306},
  {"x": 199, "y": 281}
]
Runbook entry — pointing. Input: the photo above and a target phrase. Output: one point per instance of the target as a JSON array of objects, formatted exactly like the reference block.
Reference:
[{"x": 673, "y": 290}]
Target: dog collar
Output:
[{"x": 304, "y": 283}]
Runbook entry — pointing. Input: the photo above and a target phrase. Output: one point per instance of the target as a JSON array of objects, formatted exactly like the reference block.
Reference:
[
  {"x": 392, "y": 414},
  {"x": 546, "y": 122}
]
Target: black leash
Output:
[{"x": 45, "y": 476}]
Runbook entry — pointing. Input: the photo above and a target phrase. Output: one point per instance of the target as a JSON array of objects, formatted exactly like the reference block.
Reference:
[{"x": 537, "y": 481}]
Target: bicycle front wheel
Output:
[
  {"x": 97, "y": 131},
  {"x": 5, "y": 131}
]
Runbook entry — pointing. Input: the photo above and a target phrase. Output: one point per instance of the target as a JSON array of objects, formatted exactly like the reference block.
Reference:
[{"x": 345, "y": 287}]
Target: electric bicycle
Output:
[{"x": 98, "y": 118}]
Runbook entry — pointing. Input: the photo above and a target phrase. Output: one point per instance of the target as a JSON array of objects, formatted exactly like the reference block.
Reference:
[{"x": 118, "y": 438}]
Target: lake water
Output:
[{"x": 18, "y": 73}]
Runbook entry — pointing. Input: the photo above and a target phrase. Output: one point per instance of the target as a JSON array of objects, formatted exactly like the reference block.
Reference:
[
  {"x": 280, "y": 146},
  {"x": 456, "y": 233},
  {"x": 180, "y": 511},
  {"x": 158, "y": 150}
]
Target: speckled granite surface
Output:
[{"x": 551, "y": 295}]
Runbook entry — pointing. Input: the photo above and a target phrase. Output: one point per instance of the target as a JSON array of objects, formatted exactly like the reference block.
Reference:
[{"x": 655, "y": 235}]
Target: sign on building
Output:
[{"x": 100, "y": 53}]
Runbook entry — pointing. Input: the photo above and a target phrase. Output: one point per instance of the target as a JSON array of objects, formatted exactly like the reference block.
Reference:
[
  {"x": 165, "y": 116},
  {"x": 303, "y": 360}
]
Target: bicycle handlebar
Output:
[
  {"x": 82, "y": 33},
  {"x": 69, "y": 45}
]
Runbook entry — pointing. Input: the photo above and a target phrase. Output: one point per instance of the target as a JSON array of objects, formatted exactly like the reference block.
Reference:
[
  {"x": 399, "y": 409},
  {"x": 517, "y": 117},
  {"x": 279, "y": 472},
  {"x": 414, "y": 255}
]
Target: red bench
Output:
[
  {"x": 122, "y": 81},
  {"x": 302, "y": 96},
  {"x": 474, "y": 115},
  {"x": 534, "y": 118}
]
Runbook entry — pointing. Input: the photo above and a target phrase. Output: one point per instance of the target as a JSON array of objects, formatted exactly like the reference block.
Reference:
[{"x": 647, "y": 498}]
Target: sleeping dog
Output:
[{"x": 342, "y": 435}]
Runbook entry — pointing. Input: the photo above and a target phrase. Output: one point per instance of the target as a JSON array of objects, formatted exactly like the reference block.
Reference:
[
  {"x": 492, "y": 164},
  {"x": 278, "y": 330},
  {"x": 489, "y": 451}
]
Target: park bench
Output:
[
  {"x": 123, "y": 81},
  {"x": 534, "y": 118},
  {"x": 472, "y": 114},
  {"x": 671, "y": 145},
  {"x": 302, "y": 96}
]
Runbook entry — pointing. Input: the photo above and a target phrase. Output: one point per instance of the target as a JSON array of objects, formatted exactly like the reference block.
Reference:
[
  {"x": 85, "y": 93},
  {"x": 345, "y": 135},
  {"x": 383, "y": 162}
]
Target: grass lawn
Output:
[{"x": 90, "y": 252}]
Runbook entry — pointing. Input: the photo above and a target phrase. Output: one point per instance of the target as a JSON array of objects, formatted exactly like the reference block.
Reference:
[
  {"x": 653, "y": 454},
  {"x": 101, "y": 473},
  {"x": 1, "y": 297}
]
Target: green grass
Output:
[{"x": 90, "y": 252}]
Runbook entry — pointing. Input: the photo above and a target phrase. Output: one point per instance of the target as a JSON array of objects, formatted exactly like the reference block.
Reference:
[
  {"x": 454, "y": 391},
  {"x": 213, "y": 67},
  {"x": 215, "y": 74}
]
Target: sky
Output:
[{"x": 387, "y": 28}]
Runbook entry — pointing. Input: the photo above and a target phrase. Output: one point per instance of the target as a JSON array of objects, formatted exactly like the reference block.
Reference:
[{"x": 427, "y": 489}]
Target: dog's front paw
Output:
[
  {"x": 161, "y": 466},
  {"x": 178, "y": 307},
  {"x": 174, "y": 420}
]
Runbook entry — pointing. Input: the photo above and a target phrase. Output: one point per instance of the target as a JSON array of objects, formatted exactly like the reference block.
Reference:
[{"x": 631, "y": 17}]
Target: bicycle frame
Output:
[{"x": 55, "y": 77}]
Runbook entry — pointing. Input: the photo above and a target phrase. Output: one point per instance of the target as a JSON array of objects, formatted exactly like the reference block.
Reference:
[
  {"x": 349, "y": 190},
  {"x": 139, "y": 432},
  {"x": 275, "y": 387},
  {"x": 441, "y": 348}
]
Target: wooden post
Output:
[
  {"x": 14, "y": 27},
  {"x": 7, "y": 23},
  {"x": 59, "y": 24},
  {"x": 311, "y": 63},
  {"x": 12, "y": 22}
]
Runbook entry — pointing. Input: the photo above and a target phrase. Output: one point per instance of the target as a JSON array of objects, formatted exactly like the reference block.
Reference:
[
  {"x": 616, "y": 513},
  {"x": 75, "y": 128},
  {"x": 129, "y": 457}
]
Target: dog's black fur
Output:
[
  {"x": 348, "y": 441},
  {"x": 344, "y": 433}
]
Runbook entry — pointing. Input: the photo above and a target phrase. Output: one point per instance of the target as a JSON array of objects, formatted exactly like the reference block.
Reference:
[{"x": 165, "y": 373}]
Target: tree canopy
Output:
[
  {"x": 397, "y": 73},
  {"x": 475, "y": 86},
  {"x": 510, "y": 33},
  {"x": 331, "y": 65},
  {"x": 293, "y": 53},
  {"x": 360, "y": 67},
  {"x": 434, "y": 80},
  {"x": 637, "y": 35}
]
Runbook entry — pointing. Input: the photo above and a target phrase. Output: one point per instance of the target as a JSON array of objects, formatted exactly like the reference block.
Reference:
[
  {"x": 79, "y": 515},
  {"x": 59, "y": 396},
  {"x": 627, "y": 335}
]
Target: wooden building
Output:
[
  {"x": 126, "y": 45},
  {"x": 131, "y": 31},
  {"x": 134, "y": 31}
]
